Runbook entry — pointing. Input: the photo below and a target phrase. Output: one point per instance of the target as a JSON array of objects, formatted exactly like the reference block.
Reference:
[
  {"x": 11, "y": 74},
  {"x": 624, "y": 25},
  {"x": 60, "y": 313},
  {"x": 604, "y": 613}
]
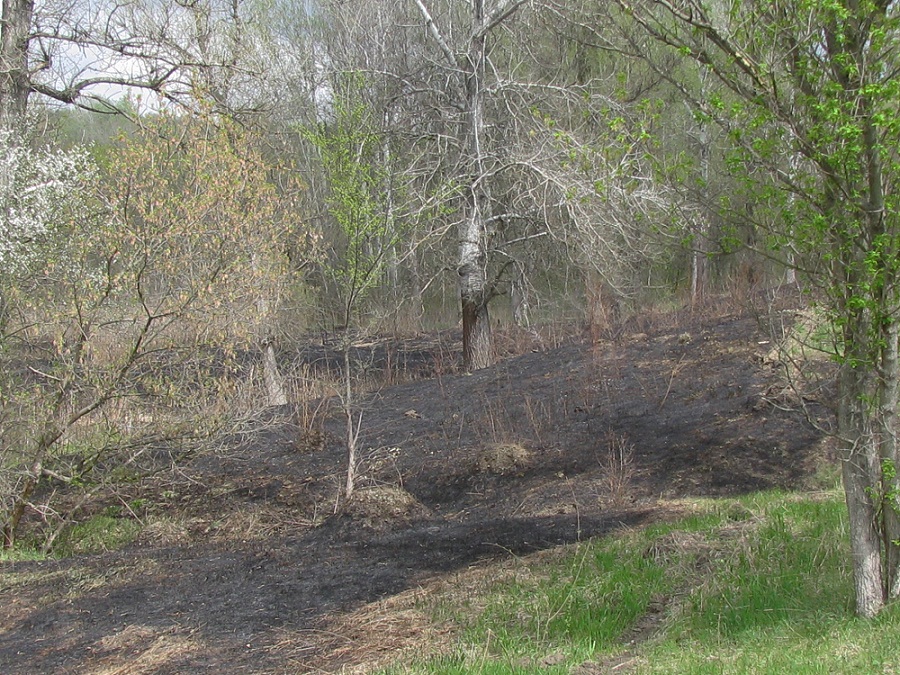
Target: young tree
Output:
[
  {"x": 131, "y": 299},
  {"x": 819, "y": 79},
  {"x": 359, "y": 202}
]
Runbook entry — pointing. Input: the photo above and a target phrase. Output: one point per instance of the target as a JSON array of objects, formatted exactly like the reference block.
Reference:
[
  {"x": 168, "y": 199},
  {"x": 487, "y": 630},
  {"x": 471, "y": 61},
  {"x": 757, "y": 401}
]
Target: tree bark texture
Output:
[
  {"x": 474, "y": 291},
  {"x": 15, "y": 34},
  {"x": 860, "y": 475}
]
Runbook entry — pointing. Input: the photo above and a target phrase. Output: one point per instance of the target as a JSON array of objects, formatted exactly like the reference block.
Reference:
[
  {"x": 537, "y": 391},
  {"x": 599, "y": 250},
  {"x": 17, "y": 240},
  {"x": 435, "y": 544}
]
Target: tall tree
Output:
[
  {"x": 819, "y": 80},
  {"x": 468, "y": 64}
]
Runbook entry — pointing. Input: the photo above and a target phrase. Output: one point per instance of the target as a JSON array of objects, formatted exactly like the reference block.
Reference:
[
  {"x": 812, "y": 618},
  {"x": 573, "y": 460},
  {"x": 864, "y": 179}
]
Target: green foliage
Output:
[{"x": 359, "y": 191}]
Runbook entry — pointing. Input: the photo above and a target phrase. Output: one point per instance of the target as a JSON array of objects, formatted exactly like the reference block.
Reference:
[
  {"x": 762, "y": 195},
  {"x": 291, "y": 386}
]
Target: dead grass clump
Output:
[
  {"x": 618, "y": 469},
  {"x": 678, "y": 545},
  {"x": 135, "y": 657},
  {"x": 130, "y": 637},
  {"x": 697, "y": 549},
  {"x": 165, "y": 532},
  {"x": 255, "y": 522},
  {"x": 384, "y": 506},
  {"x": 504, "y": 458}
]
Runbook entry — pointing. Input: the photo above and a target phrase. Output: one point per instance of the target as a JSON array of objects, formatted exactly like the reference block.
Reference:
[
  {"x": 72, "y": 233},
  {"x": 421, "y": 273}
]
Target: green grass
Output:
[
  {"x": 19, "y": 553},
  {"x": 97, "y": 534},
  {"x": 756, "y": 585}
]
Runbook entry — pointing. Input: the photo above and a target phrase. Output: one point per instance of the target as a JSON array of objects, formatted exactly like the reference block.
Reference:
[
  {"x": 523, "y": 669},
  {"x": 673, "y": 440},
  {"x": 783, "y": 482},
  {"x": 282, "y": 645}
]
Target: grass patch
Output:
[
  {"x": 96, "y": 535},
  {"x": 21, "y": 553},
  {"x": 760, "y": 584}
]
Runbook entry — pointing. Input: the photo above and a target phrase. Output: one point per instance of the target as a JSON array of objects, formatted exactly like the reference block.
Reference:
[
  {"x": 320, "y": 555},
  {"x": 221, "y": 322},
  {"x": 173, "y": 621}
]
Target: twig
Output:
[{"x": 671, "y": 380}]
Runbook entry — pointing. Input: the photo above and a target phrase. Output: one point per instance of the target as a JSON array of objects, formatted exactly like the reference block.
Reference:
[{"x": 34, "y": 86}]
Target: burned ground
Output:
[{"x": 245, "y": 567}]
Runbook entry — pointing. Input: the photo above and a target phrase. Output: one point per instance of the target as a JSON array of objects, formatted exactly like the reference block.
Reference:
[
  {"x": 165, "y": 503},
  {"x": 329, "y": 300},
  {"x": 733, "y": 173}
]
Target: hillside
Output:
[{"x": 241, "y": 565}]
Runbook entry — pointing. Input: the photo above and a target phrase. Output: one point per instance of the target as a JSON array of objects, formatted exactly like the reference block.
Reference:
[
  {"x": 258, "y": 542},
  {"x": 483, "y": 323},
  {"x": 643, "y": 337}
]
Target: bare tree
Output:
[
  {"x": 468, "y": 67},
  {"x": 90, "y": 54}
]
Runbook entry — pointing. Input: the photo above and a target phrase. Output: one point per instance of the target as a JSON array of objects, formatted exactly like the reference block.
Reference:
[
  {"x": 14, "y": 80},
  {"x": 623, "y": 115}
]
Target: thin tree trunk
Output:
[
  {"x": 699, "y": 261},
  {"x": 518, "y": 297},
  {"x": 890, "y": 488},
  {"x": 352, "y": 430},
  {"x": 860, "y": 476}
]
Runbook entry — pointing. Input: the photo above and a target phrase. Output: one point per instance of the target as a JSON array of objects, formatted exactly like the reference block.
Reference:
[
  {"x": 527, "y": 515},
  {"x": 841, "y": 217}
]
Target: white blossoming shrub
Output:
[{"x": 40, "y": 191}]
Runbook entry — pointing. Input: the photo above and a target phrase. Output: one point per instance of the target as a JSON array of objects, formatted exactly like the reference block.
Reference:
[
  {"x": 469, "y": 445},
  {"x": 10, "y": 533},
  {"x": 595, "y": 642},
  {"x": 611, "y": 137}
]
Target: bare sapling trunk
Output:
[
  {"x": 350, "y": 484},
  {"x": 518, "y": 297},
  {"x": 353, "y": 426}
]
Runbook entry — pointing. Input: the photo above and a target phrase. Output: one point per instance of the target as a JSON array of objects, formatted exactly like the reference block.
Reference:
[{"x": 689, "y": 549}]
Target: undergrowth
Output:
[{"x": 760, "y": 584}]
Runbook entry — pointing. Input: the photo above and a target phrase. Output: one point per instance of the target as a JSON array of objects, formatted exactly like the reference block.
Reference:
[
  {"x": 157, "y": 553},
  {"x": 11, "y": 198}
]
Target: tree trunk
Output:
[
  {"x": 861, "y": 476},
  {"x": 474, "y": 296},
  {"x": 699, "y": 261},
  {"x": 15, "y": 35},
  {"x": 352, "y": 430},
  {"x": 271, "y": 373},
  {"x": 477, "y": 343},
  {"x": 518, "y": 297},
  {"x": 890, "y": 487},
  {"x": 474, "y": 292},
  {"x": 272, "y": 376}
]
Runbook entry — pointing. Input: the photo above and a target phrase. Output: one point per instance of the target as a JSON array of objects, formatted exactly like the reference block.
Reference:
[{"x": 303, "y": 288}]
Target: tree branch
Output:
[
  {"x": 501, "y": 12},
  {"x": 436, "y": 34}
]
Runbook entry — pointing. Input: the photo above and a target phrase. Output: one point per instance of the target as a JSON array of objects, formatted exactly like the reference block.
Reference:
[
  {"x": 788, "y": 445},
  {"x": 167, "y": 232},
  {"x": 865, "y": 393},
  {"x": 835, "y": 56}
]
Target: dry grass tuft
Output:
[
  {"x": 504, "y": 458},
  {"x": 618, "y": 469},
  {"x": 165, "y": 532},
  {"x": 384, "y": 506},
  {"x": 255, "y": 522},
  {"x": 134, "y": 656}
]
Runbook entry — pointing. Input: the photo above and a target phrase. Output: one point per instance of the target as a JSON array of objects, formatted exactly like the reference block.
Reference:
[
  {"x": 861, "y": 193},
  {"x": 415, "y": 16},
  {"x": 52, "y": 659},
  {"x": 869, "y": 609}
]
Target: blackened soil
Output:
[{"x": 245, "y": 549}]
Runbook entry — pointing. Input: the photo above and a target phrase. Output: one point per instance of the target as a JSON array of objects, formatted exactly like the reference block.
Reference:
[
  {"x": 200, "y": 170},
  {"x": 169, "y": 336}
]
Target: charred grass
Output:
[{"x": 569, "y": 510}]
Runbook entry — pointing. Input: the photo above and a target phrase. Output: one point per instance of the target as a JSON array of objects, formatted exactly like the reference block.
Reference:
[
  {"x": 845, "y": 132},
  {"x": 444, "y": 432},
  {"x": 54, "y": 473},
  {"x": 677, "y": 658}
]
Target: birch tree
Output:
[{"x": 469, "y": 67}]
